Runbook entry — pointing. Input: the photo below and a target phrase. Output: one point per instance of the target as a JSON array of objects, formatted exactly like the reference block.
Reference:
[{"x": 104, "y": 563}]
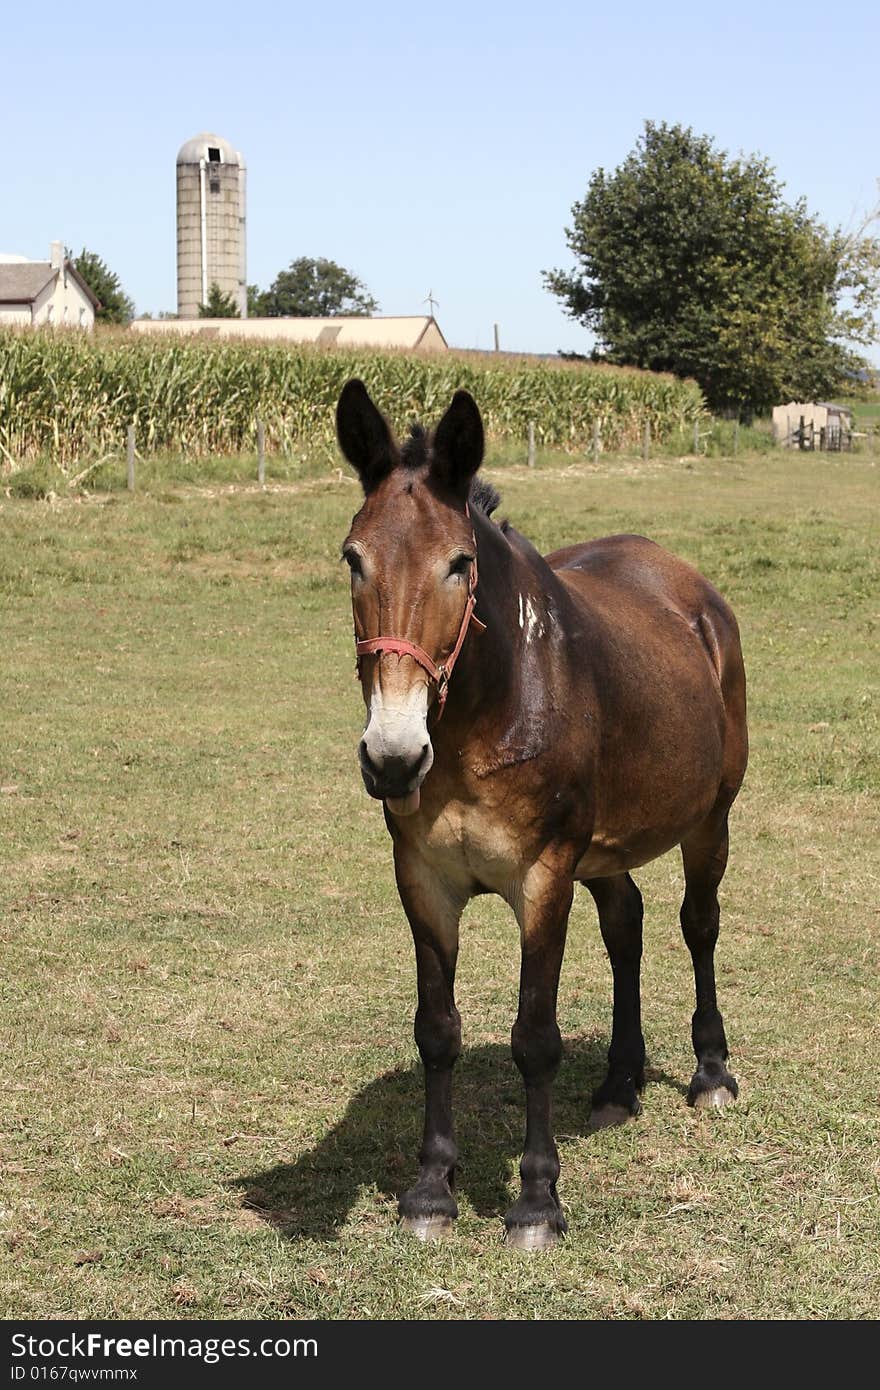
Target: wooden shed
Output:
[{"x": 812, "y": 425}]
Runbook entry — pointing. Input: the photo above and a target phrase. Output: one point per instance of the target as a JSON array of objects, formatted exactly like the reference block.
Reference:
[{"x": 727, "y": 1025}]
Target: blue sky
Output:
[{"x": 436, "y": 147}]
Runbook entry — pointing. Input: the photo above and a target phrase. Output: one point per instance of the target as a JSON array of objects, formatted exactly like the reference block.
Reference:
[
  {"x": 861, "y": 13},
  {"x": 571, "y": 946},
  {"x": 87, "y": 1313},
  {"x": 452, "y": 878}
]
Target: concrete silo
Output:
[{"x": 211, "y": 244}]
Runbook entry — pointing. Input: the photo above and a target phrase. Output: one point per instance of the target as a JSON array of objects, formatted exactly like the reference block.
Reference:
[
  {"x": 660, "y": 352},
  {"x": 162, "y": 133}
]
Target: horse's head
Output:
[{"x": 412, "y": 555}]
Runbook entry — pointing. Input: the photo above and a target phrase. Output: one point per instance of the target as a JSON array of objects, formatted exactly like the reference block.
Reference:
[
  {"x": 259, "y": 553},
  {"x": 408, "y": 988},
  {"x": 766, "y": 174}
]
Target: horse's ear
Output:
[
  {"x": 458, "y": 444},
  {"x": 364, "y": 436}
]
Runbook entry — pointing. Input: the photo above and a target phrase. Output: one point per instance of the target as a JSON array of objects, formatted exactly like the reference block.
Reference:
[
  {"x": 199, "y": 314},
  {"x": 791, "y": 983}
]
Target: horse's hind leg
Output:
[
  {"x": 704, "y": 853},
  {"x": 619, "y": 904}
]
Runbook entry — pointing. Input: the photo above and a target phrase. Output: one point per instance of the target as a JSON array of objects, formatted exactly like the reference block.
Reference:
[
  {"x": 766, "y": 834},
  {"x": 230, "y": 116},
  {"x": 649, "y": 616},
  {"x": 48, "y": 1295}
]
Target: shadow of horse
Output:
[{"x": 377, "y": 1140}]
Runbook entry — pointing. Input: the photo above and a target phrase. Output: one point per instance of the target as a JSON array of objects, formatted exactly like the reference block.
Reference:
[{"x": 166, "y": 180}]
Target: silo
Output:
[{"x": 211, "y": 245}]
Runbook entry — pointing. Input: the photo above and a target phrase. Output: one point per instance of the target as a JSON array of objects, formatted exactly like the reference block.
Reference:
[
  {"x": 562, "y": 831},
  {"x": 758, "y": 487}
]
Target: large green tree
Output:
[
  {"x": 218, "y": 305},
  {"x": 690, "y": 261},
  {"x": 115, "y": 305},
  {"x": 312, "y": 288}
]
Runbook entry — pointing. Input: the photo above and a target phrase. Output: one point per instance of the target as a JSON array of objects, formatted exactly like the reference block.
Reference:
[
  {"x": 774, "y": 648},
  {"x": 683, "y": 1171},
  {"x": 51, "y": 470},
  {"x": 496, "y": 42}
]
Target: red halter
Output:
[{"x": 439, "y": 674}]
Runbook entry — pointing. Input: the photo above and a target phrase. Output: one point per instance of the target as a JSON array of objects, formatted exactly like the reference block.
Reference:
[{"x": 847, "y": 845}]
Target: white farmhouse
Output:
[{"x": 33, "y": 293}]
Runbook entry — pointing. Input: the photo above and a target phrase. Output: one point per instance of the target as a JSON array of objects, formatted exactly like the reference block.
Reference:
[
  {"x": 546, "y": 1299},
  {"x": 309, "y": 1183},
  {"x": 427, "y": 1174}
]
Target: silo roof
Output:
[{"x": 197, "y": 148}]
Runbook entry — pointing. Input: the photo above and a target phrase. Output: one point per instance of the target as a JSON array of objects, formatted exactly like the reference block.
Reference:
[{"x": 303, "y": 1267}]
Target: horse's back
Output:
[
  {"x": 635, "y": 584},
  {"x": 633, "y": 566}
]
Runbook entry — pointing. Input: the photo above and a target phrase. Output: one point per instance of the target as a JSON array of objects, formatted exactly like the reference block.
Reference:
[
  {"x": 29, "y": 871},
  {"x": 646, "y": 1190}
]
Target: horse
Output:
[{"x": 532, "y": 723}]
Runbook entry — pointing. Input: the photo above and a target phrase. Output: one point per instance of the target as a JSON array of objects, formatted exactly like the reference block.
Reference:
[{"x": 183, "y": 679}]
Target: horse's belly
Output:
[
  {"x": 624, "y": 841},
  {"x": 607, "y": 856}
]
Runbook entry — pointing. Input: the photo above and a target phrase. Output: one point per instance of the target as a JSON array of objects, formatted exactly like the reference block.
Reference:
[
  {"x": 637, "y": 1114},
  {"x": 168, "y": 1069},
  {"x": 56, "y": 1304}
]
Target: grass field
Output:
[{"x": 211, "y": 1092}]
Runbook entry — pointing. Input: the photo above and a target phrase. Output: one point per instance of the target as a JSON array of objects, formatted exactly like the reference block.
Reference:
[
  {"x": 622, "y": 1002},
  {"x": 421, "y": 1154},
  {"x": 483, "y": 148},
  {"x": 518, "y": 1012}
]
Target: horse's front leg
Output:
[
  {"x": 434, "y": 910},
  {"x": 535, "y": 1221}
]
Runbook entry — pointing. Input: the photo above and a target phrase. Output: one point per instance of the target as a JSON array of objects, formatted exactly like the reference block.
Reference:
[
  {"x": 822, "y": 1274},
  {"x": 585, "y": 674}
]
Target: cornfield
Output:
[{"x": 69, "y": 396}]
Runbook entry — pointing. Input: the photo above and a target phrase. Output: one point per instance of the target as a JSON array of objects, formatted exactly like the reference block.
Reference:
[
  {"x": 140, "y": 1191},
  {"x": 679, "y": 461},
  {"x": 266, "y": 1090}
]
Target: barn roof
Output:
[
  {"x": 358, "y": 330},
  {"x": 401, "y": 331}
]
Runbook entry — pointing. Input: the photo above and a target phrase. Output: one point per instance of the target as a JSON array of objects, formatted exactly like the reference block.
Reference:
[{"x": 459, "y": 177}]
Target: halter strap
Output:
[{"x": 438, "y": 673}]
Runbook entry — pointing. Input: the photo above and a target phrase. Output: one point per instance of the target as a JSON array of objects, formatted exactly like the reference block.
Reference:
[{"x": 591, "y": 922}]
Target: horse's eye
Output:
[
  {"x": 460, "y": 565},
  {"x": 353, "y": 560}
]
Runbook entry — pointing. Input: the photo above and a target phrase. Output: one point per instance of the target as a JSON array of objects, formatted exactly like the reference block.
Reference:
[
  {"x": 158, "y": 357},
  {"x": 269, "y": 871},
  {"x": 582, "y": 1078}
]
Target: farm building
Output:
[
  {"x": 416, "y": 332},
  {"x": 33, "y": 293},
  {"x": 822, "y": 423}
]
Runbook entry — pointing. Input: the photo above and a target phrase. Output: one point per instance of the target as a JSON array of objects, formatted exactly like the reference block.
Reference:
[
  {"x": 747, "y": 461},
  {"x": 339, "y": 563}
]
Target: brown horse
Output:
[{"x": 595, "y": 717}]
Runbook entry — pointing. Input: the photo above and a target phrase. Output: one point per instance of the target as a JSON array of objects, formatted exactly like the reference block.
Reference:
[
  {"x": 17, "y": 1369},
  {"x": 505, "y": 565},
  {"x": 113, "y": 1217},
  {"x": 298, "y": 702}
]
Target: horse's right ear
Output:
[{"x": 364, "y": 436}]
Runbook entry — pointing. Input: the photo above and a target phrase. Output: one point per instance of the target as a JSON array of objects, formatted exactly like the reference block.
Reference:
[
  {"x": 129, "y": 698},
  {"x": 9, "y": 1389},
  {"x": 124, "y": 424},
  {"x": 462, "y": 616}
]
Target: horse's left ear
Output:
[{"x": 458, "y": 444}]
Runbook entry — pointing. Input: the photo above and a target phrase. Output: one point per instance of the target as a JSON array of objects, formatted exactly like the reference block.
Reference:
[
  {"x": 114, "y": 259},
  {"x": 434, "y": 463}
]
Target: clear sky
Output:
[{"x": 434, "y": 147}]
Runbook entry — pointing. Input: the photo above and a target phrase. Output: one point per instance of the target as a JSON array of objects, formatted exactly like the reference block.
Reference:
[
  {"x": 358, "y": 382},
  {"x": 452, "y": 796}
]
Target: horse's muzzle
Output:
[{"x": 394, "y": 777}]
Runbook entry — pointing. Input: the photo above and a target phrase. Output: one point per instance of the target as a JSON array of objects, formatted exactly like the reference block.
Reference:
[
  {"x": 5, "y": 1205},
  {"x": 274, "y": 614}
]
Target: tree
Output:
[
  {"x": 312, "y": 288},
  {"x": 219, "y": 305},
  {"x": 255, "y": 302},
  {"x": 691, "y": 262},
  {"x": 114, "y": 304}
]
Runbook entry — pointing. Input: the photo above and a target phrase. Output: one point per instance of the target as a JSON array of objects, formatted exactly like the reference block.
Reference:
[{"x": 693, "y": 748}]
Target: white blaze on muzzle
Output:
[
  {"x": 397, "y": 734},
  {"x": 397, "y": 726}
]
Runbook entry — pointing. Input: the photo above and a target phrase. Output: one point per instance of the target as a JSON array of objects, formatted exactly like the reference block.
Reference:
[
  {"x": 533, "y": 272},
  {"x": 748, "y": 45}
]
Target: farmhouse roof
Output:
[{"x": 21, "y": 282}]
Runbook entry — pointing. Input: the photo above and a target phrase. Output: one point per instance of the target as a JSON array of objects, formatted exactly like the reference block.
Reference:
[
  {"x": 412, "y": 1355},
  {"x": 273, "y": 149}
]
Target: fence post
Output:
[
  {"x": 646, "y": 440},
  {"x": 129, "y": 456},
  {"x": 531, "y": 457},
  {"x": 595, "y": 439},
  {"x": 261, "y": 454},
  {"x": 736, "y": 436},
  {"x": 696, "y": 436}
]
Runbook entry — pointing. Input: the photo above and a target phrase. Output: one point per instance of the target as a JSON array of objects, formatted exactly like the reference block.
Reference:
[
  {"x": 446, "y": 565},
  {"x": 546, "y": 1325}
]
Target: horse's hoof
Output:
[
  {"x": 543, "y": 1236},
  {"x": 716, "y": 1099},
  {"x": 435, "y": 1227},
  {"x": 607, "y": 1115}
]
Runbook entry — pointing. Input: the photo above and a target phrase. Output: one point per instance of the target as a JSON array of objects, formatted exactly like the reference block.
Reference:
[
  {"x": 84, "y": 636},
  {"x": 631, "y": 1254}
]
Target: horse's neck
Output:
[
  {"x": 520, "y": 580},
  {"x": 510, "y": 597},
  {"x": 502, "y": 695}
]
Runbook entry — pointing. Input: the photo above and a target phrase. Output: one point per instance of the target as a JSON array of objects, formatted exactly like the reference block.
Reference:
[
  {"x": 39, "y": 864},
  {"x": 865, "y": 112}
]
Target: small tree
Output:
[
  {"x": 691, "y": 262},
  {"x": 219, "y": 305},
  {"x": 114, "y": 305},
  {"x": 255, "y": 298},
  {"x": 312, "y": 288}
]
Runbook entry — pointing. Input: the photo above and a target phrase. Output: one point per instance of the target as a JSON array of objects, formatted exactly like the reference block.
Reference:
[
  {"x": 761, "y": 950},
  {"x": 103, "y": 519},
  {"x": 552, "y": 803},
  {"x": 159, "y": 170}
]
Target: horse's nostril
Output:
[{"x": 365, "y": 760}]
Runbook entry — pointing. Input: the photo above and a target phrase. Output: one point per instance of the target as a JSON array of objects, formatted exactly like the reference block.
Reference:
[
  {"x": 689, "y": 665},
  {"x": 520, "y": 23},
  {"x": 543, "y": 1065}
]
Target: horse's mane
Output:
[
  {"x": 414, "y": 450},
  {"x": 414, "y": 454},
  {"x": 484, "y": 496}
]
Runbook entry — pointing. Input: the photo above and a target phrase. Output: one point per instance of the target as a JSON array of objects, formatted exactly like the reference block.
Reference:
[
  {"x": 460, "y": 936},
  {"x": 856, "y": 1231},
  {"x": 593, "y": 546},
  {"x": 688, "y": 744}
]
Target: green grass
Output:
[
  {"x": 866, "y": 412},
  {"x": 211, "y": 1089}
]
